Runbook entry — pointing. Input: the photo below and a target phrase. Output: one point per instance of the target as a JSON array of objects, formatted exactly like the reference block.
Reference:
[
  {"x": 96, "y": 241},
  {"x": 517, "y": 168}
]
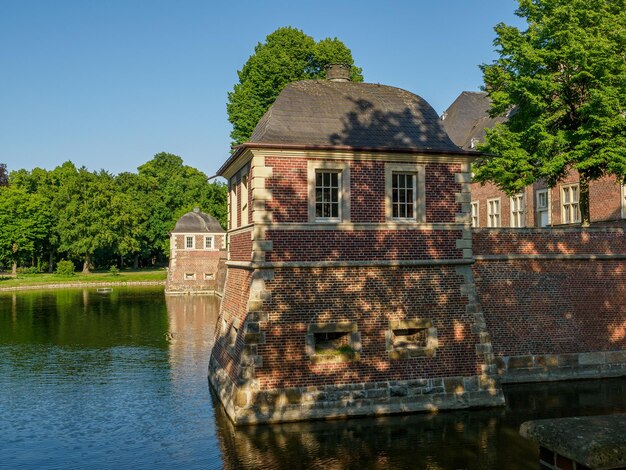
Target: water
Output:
[{"x": 118, "y": 380}]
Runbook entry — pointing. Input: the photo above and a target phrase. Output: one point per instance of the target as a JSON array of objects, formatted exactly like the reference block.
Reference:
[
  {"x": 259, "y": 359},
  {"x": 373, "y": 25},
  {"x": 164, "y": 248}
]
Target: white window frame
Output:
[
  {"x": 491, "y": 215},
  {"x": 475, "y": 214},
  {"x": 212, "y": 243},
  {"x": 193, "y": 242},
  {"x": 243, "y": 192},
  {"x": 518, "y": 210},
  {"x": 624, "y": 201},
  {"x": 343, "y": 169},
  {"x": 539, "y": 209},
  {"x": 567, "y": 209},
  {"x": 419, "y": 200},
  {"x": 233, "y": 202}
]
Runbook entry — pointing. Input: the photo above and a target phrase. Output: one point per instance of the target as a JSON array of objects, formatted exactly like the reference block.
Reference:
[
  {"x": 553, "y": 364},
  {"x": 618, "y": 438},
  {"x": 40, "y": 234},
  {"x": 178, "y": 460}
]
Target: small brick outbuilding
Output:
[{"x": 197, "y": 251}]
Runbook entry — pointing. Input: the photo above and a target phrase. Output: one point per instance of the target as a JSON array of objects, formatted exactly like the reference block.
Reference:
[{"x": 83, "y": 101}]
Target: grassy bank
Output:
[{"x": 24, "y": 280}]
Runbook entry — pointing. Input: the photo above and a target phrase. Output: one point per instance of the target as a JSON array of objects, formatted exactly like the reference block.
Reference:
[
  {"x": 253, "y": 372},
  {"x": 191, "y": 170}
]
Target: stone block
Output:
[
  {"x": 241, "y": 399},
  {"x": 462, "y": 178},
  {"x": 294, "y": 396},
  {"x": 462, "y": 197},
  {"x": 547, "y": 361},
  {"x": 568, "y": 360},
  {"x": 453, "y": 385},
  {"x": 398, "y": 391},
  {"x": 463, "y": 243},
  {"x": 398, "y": 354},
  {"x": 520, "y": 362},
  {"x": 591, "y": 358},
  {"x": 615, "y": 357}
]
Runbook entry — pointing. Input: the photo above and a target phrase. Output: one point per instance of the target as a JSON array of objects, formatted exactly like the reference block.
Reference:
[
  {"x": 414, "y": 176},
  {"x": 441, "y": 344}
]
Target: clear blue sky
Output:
[{"x": 109, "y": 83}]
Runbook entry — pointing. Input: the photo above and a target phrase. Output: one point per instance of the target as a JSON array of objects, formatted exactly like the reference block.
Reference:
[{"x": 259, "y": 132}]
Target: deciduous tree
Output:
[
  {"x": 287, "y": 55},
  {"x": 563, "y": 81}
]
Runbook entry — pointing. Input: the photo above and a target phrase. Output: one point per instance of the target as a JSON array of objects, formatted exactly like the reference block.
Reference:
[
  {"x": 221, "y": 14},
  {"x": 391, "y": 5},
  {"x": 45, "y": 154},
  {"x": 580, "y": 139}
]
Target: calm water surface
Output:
[{"x": 118, "y": 380}]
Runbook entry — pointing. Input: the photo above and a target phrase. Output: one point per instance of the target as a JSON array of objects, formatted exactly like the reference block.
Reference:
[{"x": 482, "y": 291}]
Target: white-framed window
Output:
[
  {"x": 244, "y": 196},
  {"x": 518, "y": 211},
  {"x": 542, "y": 204},
  {"x": 403, "y": 195},
  {"x": 570, "y": 208},
  {"x": 209, "y": 242},
  {"x": 404, "y": 192},
  {"x": 189, "y": 242},
  {"x": 475, "y": 206},
  {"x": 233, "y": 202},
  {"x": 329, "y": 191},
  {"x": 327, "y": 195},
  {"x": 493, "y": 212},
  {"x": 624, "y": 201}
]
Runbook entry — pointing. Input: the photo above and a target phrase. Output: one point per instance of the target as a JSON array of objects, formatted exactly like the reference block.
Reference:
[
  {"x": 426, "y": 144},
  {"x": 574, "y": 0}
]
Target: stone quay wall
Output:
[{"x": 554, "y": 301}]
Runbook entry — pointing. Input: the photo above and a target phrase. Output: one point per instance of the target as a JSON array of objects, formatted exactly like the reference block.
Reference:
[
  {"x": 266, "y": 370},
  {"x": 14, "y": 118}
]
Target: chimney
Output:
[{"x": 338, "y": 72}]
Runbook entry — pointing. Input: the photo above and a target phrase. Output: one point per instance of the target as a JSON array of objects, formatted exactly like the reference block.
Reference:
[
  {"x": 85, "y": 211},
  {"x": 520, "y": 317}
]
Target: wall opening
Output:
[
  {"x": 411, "y": 338},
  {"x": 333, "y": 342}
]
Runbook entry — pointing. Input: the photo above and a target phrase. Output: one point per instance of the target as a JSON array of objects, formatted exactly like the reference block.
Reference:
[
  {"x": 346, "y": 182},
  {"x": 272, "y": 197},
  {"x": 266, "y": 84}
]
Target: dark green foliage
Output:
[
  {"x": 65, "y": 268},
  {"x": 98, "y": 219},
  {"x": 565, "y": 80},
  {"x": 287, "y": 55},
  {"x": 4, "y": 175}
]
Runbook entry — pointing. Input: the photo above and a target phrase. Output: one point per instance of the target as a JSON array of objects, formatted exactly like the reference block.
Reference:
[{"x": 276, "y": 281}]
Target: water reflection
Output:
[
  {"x": 480, "y": 439},
  {"x": 118, "y": 380}
]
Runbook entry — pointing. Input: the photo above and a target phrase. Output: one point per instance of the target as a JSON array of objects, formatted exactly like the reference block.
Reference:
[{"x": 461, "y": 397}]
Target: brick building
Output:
[
  {"x": 538, "y": 205},
  {"x": 197, "y": 255},
  {"x": 349, "y": 287}
]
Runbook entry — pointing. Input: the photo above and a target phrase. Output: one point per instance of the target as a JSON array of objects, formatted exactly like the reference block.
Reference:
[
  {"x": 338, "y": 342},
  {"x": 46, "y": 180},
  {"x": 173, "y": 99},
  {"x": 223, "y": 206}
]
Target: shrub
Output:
[
  {"x": 114, "y": 271},
  {"x": 28, "y": 270},
  {"x": 65, "y": 268}
]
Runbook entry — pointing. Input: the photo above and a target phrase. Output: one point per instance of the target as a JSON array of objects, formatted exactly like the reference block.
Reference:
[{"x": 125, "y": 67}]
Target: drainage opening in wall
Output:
[
  {"x": 333, "y": 342},
  {"x": 190, "y": 276},
  {"x": 411, "y": 338}
]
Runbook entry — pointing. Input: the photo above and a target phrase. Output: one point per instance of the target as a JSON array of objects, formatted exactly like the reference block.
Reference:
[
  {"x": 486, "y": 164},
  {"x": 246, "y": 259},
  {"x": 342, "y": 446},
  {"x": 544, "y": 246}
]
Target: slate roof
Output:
[
  {"x": 468, "y": 117},
  {"x": 363, "y": 115},
  {"x": 197, "y": 222}
]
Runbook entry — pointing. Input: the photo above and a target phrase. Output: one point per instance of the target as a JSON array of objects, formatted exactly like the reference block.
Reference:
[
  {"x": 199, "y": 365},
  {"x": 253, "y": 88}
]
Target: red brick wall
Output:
[
  {"x": 289, "y": 189},
  {"x": 548, "y": 242},
  {"x": 240, "y": 247},
  {"x": 367, "y": 187},
  {"x": 440, "y": 192},
  {"x": 371, "y": 297},
  {"x": 551, "y": 306},
  {"x": 234, "y": 306},
  {"x": 364, "y": 245}
]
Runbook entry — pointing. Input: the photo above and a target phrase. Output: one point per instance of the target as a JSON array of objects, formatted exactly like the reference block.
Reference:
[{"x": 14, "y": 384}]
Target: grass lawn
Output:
[{"x": 43, "y": 279}]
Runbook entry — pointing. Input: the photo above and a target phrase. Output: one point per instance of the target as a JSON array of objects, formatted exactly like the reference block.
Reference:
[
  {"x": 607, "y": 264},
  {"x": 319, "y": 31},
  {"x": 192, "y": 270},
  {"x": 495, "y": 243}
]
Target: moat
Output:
[{"x": 119, "y": 380}]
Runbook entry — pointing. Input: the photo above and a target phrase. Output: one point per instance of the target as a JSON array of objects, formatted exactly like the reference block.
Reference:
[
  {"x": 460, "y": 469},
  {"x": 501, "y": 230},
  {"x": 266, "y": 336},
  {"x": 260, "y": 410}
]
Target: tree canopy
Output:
[
  {"x": 96, "y": 218},
  {"x": 286, "y": 56},
  {"x": 563, "y": 83}
]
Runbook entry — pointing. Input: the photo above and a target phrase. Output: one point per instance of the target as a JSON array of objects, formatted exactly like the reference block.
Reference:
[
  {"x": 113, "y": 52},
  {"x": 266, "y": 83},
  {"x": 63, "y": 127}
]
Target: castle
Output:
[{"x": 356, "y": 286}]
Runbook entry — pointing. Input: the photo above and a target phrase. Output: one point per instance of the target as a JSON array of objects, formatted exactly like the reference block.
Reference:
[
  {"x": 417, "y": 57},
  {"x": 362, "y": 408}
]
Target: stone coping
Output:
[
  {"x": 73, "y": 285},
  {"x": 598, "y": 442}
]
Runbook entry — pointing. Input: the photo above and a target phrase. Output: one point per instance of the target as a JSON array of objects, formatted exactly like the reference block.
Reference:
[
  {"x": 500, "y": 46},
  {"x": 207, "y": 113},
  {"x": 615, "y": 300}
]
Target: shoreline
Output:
[{"x": 72, "y": 285}]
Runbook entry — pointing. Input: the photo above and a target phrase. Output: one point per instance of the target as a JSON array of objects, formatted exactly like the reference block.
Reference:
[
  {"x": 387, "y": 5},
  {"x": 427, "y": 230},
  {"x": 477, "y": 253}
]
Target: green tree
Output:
[
  {"x": 85, "y": 221},
  {"x": 24, "y": 225},
  {"x": 4, "y": 176},
  {"x": 172, "y": 189},
  {"x": 287, "y": 55},
  {"x": 563, "y": 81}
]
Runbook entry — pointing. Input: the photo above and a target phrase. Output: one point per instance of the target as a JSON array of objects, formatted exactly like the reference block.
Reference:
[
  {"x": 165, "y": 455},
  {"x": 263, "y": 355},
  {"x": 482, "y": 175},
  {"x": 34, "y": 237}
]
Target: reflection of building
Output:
[
  {"x": 191, "y": 327},
  {"x": 197, "y": 250},
  {"x": 537, "y": 205},
  {"x": 349, "y": 289}
]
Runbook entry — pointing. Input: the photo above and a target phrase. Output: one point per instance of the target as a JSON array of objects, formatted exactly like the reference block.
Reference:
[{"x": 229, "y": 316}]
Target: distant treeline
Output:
[{"x": 97, "y": 219}]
